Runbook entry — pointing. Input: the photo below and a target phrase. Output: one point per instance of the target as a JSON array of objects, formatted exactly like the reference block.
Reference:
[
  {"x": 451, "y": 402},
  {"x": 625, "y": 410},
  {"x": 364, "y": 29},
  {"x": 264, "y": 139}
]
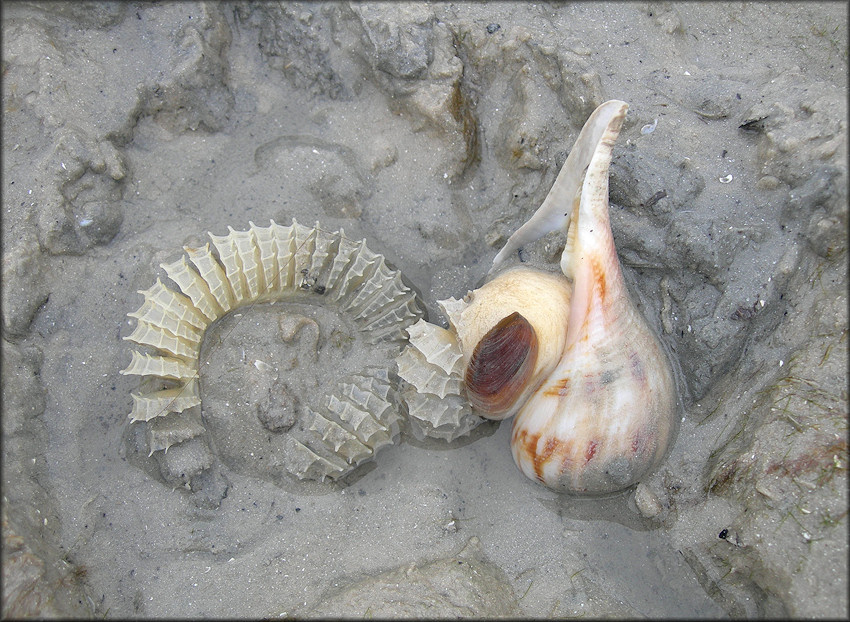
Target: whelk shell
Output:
[
  {"x": 591, "y": 385},
  {"x": 296, "y": 264}
]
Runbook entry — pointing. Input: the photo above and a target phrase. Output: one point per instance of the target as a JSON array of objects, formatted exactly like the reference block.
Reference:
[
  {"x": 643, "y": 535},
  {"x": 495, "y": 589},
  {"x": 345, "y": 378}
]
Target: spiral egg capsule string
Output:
[{"x": 295, "y": 265}]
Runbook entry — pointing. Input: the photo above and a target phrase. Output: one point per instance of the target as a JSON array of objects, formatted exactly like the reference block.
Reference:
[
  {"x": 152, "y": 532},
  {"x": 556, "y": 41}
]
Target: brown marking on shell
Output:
[
  {"x": 600, "y": 272},
  {"x": 549, "y": 449},
  {"x": 592, "y": 447},
  {"x": 599, "y": 290},
  {"x": 528, "y": 443},
  {"x": 501, "y": 365},
  {"x": 591, "y": 385},
  {"x": 559, "y": 388},
  {"x": 637, "y": 441},
  {"x": 555, "y": 449}
]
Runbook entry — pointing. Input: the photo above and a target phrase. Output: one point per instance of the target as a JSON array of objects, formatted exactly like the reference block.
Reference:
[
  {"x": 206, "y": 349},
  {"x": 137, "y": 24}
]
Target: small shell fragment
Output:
[
  {"x": 647, "y": 501},
  {"x": 649, "y": 128},
  {"x": 263, "y": 366}
]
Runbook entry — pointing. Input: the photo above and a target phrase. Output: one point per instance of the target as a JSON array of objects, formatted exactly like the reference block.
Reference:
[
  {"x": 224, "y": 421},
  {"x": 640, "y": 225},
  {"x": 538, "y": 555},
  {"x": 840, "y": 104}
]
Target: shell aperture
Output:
[{"x": 599, "y": 411}]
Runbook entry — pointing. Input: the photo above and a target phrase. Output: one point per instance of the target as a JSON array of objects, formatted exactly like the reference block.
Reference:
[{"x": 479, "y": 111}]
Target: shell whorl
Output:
[{"x": 293, "y": 263}]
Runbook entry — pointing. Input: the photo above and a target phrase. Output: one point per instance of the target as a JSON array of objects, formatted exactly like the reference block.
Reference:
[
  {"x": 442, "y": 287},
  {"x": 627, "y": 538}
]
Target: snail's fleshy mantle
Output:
[{"x": 568, "y": 354}]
